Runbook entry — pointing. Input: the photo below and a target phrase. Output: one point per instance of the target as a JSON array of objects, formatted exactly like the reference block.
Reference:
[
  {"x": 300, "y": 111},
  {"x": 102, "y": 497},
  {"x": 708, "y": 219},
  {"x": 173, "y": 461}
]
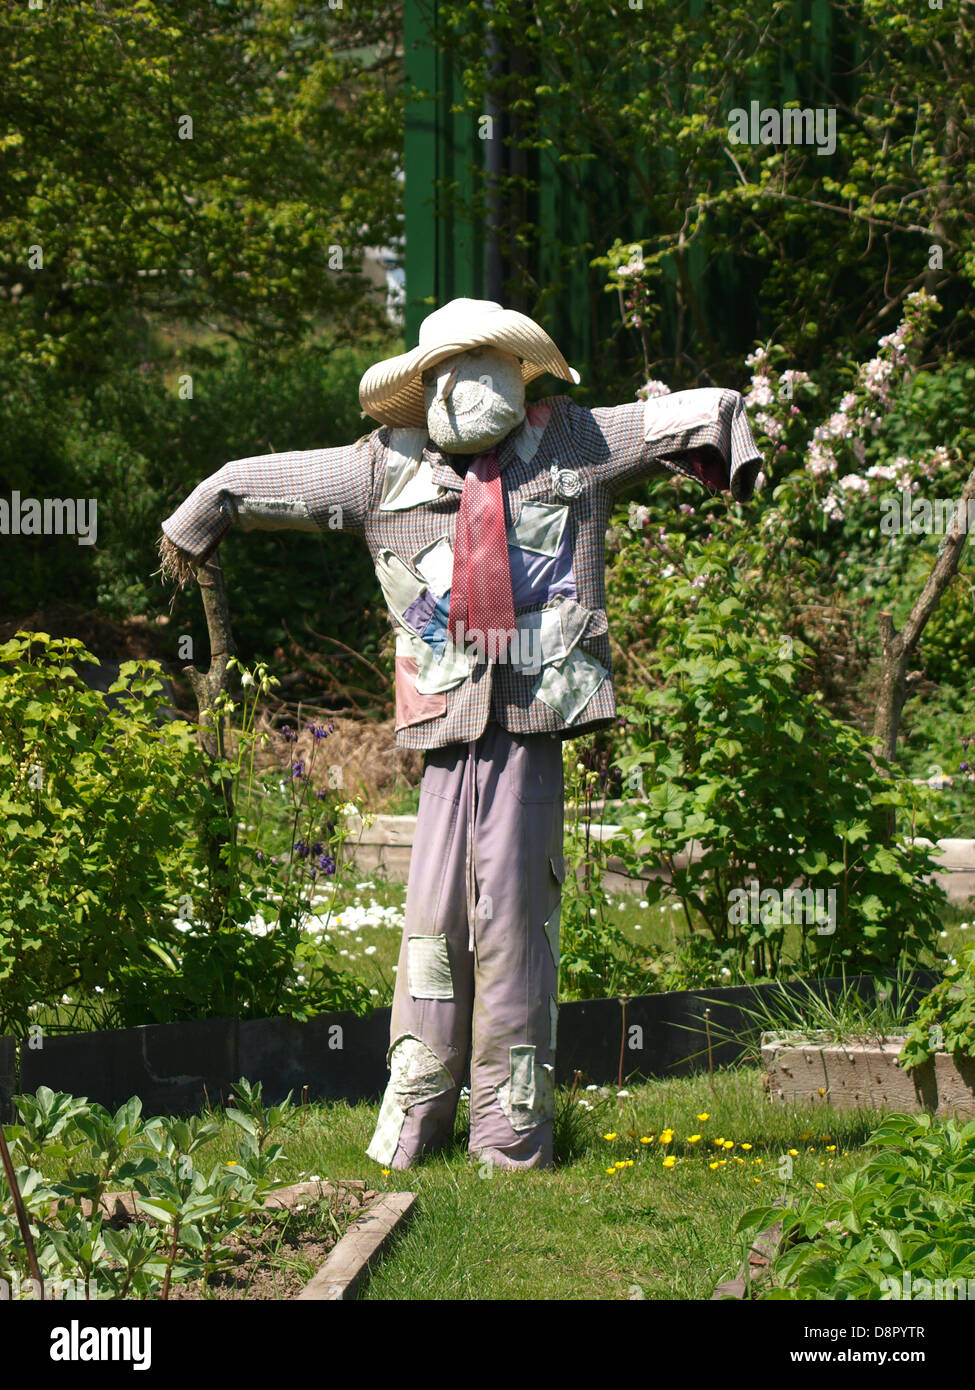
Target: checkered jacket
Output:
[{"x": 561, "y": 472}]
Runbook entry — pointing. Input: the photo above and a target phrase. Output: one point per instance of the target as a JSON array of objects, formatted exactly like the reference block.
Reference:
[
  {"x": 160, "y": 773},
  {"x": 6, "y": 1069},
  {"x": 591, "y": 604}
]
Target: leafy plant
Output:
[
  {"x": 726, "y": 753},
  {"x": 193, "y": 1210},
  {"x": 907, "y": 1215},
  {"x": 945, "y": 1020}
]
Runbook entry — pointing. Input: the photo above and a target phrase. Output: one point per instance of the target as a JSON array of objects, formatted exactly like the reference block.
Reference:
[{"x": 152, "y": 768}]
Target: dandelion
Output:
[
  {"x": 746, "y": 1146},
  {"x": 385, "y": 1172},
  {"x": 705, "y": 1116},
  {"x": 646, "y": 1138},
  {"x": 831, "y": 1148},
  {"x": 666, "y": 1135},
  {"x": 610, "y": 1136},
  {"x": 793, "y": 1153},
  {"x": 729, "y": 1144},
  {"x": 693, "y": 1138},
  {"x": 820, "y": 1185},
  {"x": 669, "y": 1161},
  {"x": 611, "y": 1171},
  {"x": 232, "y": 1163},
  {"x": 712, "y": 1166}
]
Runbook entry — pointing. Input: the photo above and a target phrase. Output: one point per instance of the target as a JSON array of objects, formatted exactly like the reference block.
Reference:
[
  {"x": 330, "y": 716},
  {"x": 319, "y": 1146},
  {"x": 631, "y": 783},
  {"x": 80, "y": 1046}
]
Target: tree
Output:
[{"x": 222, "y": 164}]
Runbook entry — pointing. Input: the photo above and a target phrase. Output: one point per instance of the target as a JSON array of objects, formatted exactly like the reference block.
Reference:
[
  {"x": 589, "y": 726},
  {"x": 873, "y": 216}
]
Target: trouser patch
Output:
[
  {"x": 428, "y": 968},
  {"x": 416, "y": 1075},
  {"x": 528, "y": 1096}
]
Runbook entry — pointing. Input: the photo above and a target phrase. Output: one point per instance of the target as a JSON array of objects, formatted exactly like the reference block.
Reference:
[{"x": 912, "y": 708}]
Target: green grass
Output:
[{"x": 575, "y": 1232}]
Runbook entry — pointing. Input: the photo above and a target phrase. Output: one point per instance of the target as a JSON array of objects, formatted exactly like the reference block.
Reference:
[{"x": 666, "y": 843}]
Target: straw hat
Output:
[{"x": 392, "y": 391}]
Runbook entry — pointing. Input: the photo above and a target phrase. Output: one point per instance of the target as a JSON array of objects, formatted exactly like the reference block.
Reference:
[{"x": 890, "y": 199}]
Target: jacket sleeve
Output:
[
  {"x": 703, "y": 434},
  {"x": 315, "y": 490}
]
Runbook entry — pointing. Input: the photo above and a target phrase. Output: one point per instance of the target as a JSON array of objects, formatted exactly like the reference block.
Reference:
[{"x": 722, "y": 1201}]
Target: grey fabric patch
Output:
[
  {"x": 568, "y": 688},
  {"x": 416, "y": 1073},
  {"x": 528, "y": 1096},
  {"x": 389, "y": 1126},
  {"x": 428, "y": 967},
  {"x": 269, "y": 513},
  {"x": 407, "y": 481},
  {"x": 539, "y": 527},
  {"x": 553, "y": 1021}
]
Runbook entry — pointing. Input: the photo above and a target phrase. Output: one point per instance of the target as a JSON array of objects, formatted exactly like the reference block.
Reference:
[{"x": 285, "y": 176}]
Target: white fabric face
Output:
[{"x": 474, "y": 399}]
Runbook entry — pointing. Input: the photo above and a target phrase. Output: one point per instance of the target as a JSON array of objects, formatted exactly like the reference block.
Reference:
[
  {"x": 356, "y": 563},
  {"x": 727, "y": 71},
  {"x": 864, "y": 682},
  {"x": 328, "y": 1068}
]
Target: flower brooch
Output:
[{"x": 566, "y": 482}]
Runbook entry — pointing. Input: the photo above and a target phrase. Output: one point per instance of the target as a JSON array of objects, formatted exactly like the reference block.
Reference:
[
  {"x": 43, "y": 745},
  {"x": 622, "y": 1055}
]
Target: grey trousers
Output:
[{"x": 478, "y": 964}]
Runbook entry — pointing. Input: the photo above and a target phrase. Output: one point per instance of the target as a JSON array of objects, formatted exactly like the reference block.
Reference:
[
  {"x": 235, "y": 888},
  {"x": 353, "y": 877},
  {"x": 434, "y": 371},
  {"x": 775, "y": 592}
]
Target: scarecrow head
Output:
[{"x": 465, "y": 381}]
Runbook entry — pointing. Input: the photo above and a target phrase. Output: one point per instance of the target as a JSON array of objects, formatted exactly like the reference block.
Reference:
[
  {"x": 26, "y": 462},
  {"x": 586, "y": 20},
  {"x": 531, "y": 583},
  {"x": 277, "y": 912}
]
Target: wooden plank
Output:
[{"x": 342, "y": 1273}]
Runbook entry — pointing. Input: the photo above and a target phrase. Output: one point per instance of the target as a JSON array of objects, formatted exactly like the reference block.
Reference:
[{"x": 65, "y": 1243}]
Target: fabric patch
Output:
[
  {"x": 270, "y": 513},
  {"x": 536, "y": 578},
  {"x": 528, "y": 1096},
  {"x": 436, "y": 564},
  {"x": 389, "y": 1126},
  {"x": 528, "y": 438},
  {"x": 681, "y": 411},
  {"x": 552, "y": 934},
  {"x": 553, "y": 1021},
  {"x": 540, "y": 527},
  {"x": 539, "y": 641},
  {"x": 416, "y": 1073},
  {"x": 420, "y": 611},
  {"x": 433, "y": 675},
  {"x": 413, "y": 706},
  {"x": 568, "y": 688},
  {"x": 428, "y": 967},
  {"x": 408, "y": 480},
  {"x": 400, "y": 585},
  {"x": 435, "y": 631}
]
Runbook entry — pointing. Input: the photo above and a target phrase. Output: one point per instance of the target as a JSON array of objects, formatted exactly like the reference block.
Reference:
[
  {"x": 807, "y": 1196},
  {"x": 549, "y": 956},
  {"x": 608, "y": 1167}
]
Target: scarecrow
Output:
[{"x": 485, "y": 519}]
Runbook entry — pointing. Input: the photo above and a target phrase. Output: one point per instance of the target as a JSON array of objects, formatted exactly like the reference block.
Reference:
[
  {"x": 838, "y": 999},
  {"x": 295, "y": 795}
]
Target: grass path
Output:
[{"x": 577, "y": 1232}]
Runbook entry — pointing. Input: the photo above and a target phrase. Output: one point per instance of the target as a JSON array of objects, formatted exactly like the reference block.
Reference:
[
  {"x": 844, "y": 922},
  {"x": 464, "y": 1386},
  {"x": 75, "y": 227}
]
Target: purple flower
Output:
[
  {"x": 318, "y": 848},
  {"x": 301, "y": 849},
  {"x": 320, "y": 796},
  {"x": 289, "y": 733},
  {"x": 260, "y": 856},
  {"x": 327, "y": 864},
  {"x": 963, "y": 767},
  {"x": 320, "y": 731},
  {"x": 297, "y": 770}
]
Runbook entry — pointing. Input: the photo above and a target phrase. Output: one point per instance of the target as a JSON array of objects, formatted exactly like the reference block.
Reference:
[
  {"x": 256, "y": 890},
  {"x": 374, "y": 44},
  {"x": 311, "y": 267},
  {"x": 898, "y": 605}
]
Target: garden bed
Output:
[
  {"x": 865, "y": 1074},
  {"x": 270, "y": 1256}
]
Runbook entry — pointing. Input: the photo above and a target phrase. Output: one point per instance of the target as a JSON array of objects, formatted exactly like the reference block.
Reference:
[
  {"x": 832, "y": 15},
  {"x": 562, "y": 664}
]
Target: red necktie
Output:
[{"x": 480, "y": 591}]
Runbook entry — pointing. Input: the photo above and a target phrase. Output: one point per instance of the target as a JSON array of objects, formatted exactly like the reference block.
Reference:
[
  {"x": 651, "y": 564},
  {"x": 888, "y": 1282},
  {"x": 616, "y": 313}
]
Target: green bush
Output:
[
  {"x": 98, "y": 805},
  {"x": 891, "y": 1229},
  {"x": 126, "y": 890}
]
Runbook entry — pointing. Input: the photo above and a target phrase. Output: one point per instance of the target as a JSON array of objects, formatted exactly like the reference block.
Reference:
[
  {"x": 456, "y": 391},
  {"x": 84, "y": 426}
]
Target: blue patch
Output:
[{"x": 435, "y": 632}]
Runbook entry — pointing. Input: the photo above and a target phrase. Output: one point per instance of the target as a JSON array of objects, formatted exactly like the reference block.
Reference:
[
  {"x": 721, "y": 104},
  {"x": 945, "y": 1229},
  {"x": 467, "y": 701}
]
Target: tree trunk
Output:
[{"x": 898, "y": 648}]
